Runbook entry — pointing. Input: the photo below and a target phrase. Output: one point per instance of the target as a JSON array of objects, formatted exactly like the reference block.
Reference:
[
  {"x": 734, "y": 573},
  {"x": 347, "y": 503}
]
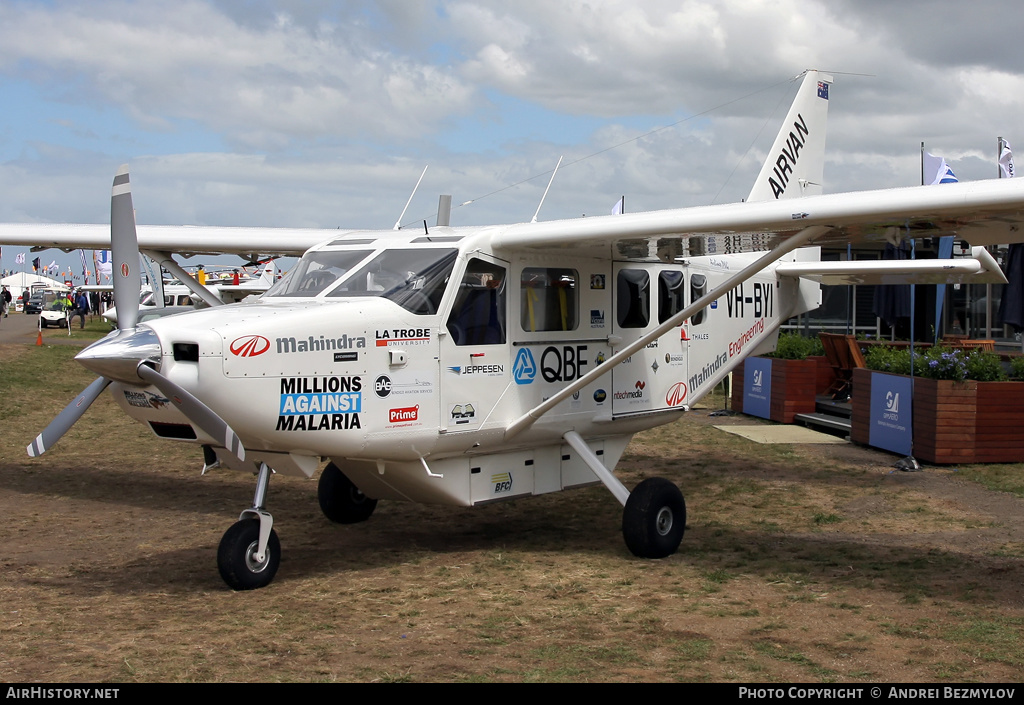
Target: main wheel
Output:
[
  {"x": 654, "y": 519},
  {"x": 236, "y": 556},
  {"x": 340, "y": 500}
]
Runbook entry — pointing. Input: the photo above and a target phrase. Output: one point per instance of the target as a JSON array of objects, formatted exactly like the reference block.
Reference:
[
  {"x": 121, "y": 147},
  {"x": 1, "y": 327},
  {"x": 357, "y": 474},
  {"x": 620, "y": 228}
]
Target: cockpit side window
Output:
[{"x": 478, "y": 315}]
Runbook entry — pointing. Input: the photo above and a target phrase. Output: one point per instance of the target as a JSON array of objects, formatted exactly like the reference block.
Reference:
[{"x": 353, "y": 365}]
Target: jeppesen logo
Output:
[{"x": 249, "y": 346}]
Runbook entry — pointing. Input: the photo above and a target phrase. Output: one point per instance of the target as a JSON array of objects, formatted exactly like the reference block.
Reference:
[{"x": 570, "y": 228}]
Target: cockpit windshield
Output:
[
  {"x": 317, "y": 271},
  {"x": 414, "y": 278}
]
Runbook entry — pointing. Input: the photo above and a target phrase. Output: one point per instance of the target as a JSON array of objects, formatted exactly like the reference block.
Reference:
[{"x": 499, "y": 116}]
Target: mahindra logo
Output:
[
  {"x": 125, "y": 269},
  {"x": 676, "y": 394},
  {"x": 249, "y": 346}
]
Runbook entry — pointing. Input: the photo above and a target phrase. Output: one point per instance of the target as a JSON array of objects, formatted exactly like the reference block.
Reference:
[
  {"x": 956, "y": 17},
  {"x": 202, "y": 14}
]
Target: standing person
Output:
[
  {"x": 81, "y": 306},
  {"x": 7, "y": 300},
  {"x": 25, "y": 296}
]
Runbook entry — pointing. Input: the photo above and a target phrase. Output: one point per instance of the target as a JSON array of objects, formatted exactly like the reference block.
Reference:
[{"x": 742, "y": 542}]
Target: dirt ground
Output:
[{"x": 815, "y": 563}]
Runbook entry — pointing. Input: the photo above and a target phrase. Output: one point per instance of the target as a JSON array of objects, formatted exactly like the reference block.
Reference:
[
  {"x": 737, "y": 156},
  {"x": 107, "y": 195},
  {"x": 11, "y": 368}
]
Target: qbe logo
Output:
[{"x": 525, "y": 367}]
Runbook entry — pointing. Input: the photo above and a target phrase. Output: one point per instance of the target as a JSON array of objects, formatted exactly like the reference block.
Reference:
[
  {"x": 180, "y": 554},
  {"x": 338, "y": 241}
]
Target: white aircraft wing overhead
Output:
[
  {"x": 981, "y": 212},
  {"x": 181, "y": 239}
]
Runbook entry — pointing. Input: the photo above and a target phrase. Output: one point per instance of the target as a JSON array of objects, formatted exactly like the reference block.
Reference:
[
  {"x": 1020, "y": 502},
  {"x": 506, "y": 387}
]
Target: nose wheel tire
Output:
[
  {"x": 340, "y": 500},
  {"x": 236, "y": 556},
  {"x": 654, "y": 519}
]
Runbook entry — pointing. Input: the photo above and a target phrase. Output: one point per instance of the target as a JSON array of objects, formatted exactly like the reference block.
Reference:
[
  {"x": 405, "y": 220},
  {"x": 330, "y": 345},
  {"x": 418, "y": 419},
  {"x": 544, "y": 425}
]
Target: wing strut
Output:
[
  {"x": 801, "y": 239},
  {"x": 165, "y": 260}
]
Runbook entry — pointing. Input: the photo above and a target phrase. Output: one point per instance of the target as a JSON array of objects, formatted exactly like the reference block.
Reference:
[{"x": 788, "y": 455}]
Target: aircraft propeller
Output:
[{"x": 131, "y": 354}]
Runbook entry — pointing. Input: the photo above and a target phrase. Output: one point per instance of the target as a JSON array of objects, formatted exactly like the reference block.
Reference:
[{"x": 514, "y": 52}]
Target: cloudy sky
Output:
[{"x": 323, "y": 114}]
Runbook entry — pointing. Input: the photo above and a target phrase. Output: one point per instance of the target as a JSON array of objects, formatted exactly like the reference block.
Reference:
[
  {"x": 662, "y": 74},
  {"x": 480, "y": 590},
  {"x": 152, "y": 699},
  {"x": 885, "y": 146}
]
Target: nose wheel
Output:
[
  {"x": 250, "y": 552},
  {"x": 239, "y": 560}
]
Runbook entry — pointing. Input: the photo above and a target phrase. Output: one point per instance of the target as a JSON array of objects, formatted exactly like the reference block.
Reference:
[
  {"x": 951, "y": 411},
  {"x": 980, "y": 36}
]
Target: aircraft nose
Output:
[{"x": 118, "y": 355}]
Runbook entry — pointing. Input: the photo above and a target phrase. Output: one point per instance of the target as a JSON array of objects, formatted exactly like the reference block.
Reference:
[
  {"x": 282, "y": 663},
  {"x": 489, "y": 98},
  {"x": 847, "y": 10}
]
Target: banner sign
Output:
[
  {"x": 757, "y": 386},
  {"x": 891, "y": 426}
]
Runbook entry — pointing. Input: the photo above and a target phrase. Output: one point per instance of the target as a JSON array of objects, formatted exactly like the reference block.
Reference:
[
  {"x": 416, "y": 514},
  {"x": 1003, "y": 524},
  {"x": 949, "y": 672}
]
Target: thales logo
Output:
[{"x": 249, "y": 346}]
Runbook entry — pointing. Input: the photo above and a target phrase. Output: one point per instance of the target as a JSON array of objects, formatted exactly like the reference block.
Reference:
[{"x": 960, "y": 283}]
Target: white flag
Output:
[
  {"x": 619, "y": 206},
  {"x": 1006, "y": 160},
  {"x": 936, "y": 171},
  {"x": 103, "y": 262},
  {"x": 20, "y": 259}
]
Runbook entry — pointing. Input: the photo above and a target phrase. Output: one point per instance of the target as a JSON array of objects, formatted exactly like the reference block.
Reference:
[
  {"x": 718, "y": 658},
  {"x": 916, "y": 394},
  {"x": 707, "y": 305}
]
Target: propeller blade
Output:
[
  {"x": 195, "y": 411},
  {"x": 67, "y": 418},
  {"x": 124, "y": 251}
]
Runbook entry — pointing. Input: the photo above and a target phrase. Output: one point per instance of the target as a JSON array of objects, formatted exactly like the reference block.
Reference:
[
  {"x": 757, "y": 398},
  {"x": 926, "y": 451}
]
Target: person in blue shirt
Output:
[{"x": 81, "y": 306}]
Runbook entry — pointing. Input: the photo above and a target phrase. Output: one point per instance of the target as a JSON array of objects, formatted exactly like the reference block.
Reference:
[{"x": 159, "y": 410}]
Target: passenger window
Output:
[
  {"x": 670, "y": 294},
  {"x": 478, "y": 316},
  {"x": 548, "y": 299},
  {"x": 633, "y": 298},
  {"x": 698, "y": 287}
]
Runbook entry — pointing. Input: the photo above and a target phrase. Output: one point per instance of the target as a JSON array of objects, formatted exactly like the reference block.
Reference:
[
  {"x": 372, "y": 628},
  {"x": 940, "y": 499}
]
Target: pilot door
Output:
[
  {"x": 475, "y": 366},
  {"x": 655, "y": 377}
]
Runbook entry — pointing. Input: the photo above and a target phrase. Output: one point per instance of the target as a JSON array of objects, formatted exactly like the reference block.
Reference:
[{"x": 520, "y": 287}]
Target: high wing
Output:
[
  {"x": 981, "y": 212},
  {"x": 181, "y": 239}
]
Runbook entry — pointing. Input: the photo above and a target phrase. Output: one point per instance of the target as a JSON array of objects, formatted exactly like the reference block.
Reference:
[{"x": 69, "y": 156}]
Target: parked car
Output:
[{"x": 35, "y": 303}]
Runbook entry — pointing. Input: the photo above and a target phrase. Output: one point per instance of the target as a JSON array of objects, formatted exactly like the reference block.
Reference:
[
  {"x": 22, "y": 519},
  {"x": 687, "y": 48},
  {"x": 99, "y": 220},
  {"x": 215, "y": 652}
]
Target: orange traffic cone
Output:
[{"x": 39, "y": 338}]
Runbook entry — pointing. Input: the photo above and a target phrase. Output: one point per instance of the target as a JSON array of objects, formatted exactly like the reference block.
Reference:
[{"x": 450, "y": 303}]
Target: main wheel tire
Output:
[
  {"x": 236, "y": 556},
  {"x": 654, "y": 519},
  {"x": 340, "y": 500}
]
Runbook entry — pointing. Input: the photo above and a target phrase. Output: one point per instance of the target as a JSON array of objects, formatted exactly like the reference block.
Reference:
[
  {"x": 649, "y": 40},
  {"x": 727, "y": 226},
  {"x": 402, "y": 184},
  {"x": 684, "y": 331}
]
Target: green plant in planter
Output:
[
  {"x": 937, "y": 363},
  {"x": 1017, "y": 367},
  {"x": 793, "y": 346}
]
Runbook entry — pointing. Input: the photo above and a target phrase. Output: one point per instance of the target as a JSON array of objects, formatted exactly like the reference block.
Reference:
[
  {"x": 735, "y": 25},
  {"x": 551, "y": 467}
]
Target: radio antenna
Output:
[
  {"x": 398, "y": 223},
  {"x": 534, "y": 219}
]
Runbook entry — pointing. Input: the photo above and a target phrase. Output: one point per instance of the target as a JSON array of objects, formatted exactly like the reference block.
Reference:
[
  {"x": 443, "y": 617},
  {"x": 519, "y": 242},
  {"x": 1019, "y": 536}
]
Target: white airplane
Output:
[
  {"x": 470, "y": 365},
  {"x": 180, "y": 296}
]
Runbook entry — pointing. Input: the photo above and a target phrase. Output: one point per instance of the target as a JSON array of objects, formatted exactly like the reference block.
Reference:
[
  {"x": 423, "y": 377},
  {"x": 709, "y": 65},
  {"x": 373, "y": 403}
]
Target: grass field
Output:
[{"x": 800, "y": 563}]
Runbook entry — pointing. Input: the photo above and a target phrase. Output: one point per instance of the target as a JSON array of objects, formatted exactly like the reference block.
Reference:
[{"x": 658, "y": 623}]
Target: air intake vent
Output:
[
  {"x": 186, "y": 352},
  {"x": 180, "y": 431}
]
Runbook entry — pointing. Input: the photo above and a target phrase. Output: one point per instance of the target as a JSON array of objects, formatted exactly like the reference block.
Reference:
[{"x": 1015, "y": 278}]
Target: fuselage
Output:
[{"x": 399, "y": 350}]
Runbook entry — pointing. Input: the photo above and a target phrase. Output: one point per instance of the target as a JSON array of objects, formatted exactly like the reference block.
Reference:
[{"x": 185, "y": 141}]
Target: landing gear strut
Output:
[
  {"x": 250, "y": 552},
  {"x": 653, "y": 514}
]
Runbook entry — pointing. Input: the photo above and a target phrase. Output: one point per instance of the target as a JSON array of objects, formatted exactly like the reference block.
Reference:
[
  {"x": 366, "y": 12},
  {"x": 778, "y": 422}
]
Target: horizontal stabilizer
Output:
[{"x": 979, "y": 268}]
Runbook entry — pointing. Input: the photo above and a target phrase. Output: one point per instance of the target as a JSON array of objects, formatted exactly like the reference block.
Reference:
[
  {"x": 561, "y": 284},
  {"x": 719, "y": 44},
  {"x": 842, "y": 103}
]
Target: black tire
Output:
[
  {"x": 340, "y": 500},
  {"x": 235, "y": 556},
  {"x": 42, "y": 324},
  {"x": 654, "y": 519}
]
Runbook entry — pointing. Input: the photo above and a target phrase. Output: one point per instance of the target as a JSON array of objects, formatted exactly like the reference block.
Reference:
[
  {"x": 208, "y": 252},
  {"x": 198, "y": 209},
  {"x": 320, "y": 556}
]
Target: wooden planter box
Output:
[
  {"x": 954, "y": 422},
  {"x": 794, "y": 384},
  {"x": 999, "y": 431}
]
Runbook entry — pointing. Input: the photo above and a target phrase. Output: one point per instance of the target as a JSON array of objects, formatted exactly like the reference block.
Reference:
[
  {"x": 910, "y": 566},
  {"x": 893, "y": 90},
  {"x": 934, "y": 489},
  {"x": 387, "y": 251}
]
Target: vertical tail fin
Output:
[{"x": 796, "y": 161}]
